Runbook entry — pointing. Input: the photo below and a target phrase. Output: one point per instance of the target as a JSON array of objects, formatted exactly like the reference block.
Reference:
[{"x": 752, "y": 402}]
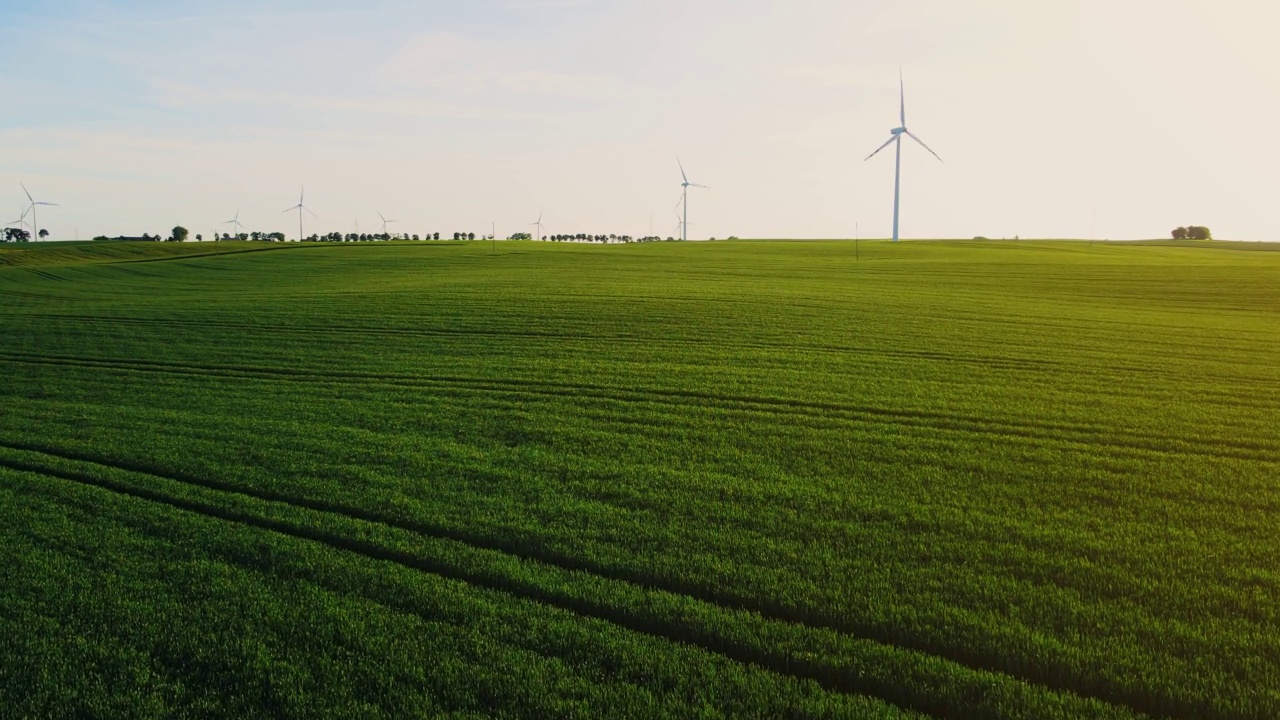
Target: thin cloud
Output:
[{"x": 468, "y": 66}]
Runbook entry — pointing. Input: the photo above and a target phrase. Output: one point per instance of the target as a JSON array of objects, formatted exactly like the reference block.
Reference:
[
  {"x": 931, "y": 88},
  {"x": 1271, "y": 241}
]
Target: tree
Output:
[
  {"x": 179, "y": 234},
  {"x": 471, "y": 236},
  {"x": 199, "y": 237},
  {"x": 44, "y": 233},
  {"x": 435, "y": 236},
  {"x": 1192, "y": 232},
  {"x": 13, "y": 234}
]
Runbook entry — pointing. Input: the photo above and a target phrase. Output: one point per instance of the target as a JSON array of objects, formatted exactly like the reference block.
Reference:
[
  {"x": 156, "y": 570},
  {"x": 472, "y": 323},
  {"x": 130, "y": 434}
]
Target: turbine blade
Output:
[
  {"x": 902, "y": 98},
  {"x": 885, "y": 145},
  {"x": 304, "y": 207},
  {"x": 926, "y": 147},
  {"x": 383, "y": 218},
  {"x": 704, "y": 187},
  {"x": 682, "y": 173},
  {"x": 295, "y": 207},
  {"x": 28, "y": 192},
  {"x": 45, "y": 203}
]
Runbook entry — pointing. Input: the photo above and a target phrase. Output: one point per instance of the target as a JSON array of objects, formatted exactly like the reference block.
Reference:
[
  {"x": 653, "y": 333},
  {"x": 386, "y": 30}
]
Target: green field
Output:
[{"x": 752, "y": 479}]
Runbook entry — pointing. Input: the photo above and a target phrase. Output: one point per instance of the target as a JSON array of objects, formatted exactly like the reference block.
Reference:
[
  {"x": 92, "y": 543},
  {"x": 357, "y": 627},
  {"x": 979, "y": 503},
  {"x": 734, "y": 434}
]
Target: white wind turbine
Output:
[
  {"x": 385, "y": 223},
  {"x": 538, "y": 225},
  {"x": 22, "y": 218},
  {"x": 300, "y": 207},
  {"x": 895, "y": 138},
  {"x": 35, "y": 225},
  {"x": 235, "y": 224},
  {"x": 684, "y": 199}
]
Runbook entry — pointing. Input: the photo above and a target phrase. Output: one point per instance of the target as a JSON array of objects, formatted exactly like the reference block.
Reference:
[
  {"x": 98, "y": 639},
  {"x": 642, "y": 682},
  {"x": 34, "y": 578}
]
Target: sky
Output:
[{"x": 1114, "y": 119}]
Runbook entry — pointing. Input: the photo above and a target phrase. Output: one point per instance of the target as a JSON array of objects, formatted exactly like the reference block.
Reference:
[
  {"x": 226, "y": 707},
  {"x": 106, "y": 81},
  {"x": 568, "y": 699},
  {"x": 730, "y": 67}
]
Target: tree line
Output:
[
  {"x": 1192, "y": 232},
  {"x": 18, "y": 234}
]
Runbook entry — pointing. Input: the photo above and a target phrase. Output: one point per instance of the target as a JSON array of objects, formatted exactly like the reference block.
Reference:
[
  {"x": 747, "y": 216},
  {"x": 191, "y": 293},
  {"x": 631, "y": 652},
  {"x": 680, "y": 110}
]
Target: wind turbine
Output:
[
  {"x": 385, "y": 223},
  {"x": 895, "y": 138},
  {"x": 235, "y": 224},
  {"x": 300, "y": 207},
  {"x": 35, "y": 225},
  {"x": 684, "y": 198},
  {"x": 22, "y": 217},
  {"x": 538, "y": 225}
]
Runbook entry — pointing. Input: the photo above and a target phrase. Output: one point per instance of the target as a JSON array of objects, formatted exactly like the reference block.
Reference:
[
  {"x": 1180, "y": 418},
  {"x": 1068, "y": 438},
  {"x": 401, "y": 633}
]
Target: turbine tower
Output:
[
  {"x": 385, "y": 223},
  {"x": 235, "y": 224},
  {"x": 300, "y": 207},
  {"x": 684, "y": 199},
  {"x": 895, "y": 138},
  {"x": 35, "y": 224},
  {"x": 538, "y": 225}
]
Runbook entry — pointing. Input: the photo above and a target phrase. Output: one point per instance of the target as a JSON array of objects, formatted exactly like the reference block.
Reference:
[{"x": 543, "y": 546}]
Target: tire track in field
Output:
[
  {"x": 833, "y": 678},
  {"x": 191, "y": 256},
  {"x": 442, "y": 568},
  {"x": 1110, "y": 370},
  {"x": 401, "y": 594},
  {"x": 31, "y": 295},
  {"x": 43, "y": 274},
  {"x": 996, "y": 362},
  {"x": 1059, "y": 432}
]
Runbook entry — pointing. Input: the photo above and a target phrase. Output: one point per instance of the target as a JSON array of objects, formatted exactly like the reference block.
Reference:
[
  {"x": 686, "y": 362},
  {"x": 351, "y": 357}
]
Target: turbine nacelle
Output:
[{"x": 897, "y": 131}]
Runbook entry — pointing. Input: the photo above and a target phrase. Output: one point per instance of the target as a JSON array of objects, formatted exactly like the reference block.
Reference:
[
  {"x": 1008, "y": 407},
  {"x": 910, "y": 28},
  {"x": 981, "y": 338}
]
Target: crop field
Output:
[{"x": 749, "y": 479}]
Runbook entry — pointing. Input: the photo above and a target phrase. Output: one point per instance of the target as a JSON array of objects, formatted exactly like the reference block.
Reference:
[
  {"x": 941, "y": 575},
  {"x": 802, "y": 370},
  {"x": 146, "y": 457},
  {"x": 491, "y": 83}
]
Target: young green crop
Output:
[{"x": 968, "y": 479}]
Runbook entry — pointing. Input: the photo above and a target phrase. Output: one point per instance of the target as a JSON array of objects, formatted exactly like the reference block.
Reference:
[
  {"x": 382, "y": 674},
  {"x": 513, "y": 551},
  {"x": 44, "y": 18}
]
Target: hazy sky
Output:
[{"x": 139, "y": 115}]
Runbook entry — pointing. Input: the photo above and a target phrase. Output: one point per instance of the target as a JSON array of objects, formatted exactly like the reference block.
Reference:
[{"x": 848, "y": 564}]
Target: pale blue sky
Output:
[{"x": 136, "y": 116}]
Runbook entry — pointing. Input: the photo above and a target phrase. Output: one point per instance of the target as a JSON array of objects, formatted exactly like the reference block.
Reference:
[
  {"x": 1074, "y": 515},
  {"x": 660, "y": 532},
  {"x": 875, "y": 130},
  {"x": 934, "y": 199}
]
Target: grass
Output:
[{"x": 994, "y": 480}]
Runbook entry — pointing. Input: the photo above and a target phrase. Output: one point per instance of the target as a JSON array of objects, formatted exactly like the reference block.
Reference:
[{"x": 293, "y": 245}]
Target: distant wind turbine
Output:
[
  {"x": 300, "y": 207},
  {"x": 235, "y": 224},
  {"x": 895, "y": 138},
  {"x": 22, "y": 218},
  {"x": 385, "y": 223},
  {"x": 684, "y": 198},
  {"x": 538, "y": 225},
  {"x": 35, "y": 225}
]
